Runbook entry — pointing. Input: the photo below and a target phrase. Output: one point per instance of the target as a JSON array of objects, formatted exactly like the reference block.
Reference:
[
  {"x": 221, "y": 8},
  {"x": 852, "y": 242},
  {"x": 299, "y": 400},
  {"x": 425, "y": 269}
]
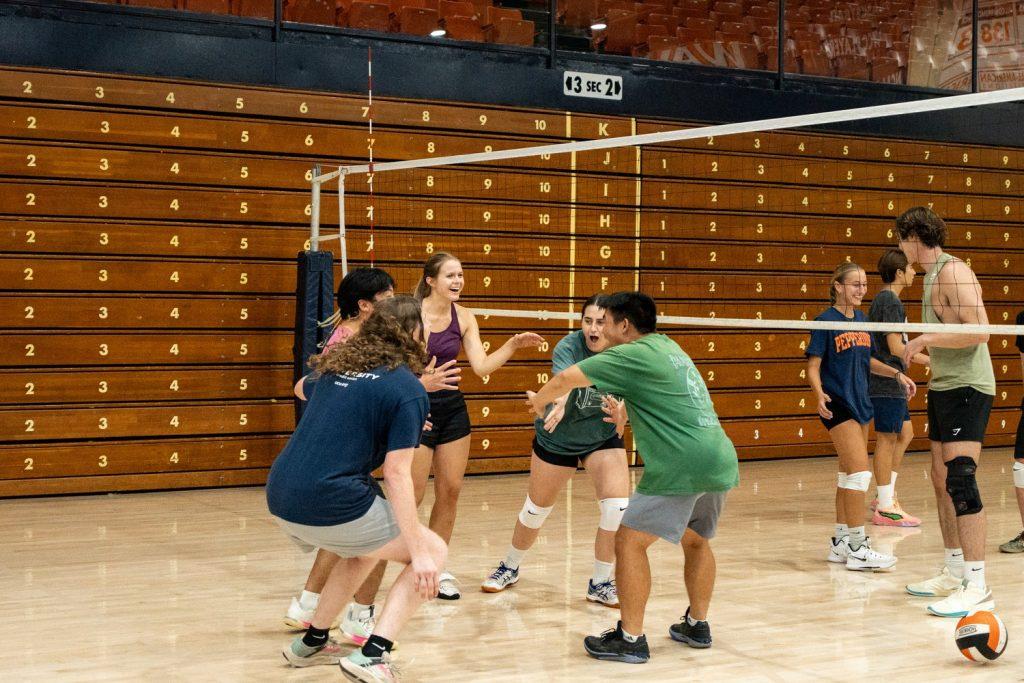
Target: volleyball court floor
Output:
[{"x": 192, "y": 585}]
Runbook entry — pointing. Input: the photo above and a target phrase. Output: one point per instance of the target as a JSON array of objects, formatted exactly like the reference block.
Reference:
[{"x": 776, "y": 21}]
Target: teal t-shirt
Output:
[
  {"x": 582, "y": 428},
  {"x": 677, "y": 433}
]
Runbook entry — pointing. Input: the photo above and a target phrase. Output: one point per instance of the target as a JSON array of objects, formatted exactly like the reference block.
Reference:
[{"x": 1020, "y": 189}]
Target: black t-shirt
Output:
[
  {"x": 886, "y": 307},
  {"x": 322, "y": 477}
]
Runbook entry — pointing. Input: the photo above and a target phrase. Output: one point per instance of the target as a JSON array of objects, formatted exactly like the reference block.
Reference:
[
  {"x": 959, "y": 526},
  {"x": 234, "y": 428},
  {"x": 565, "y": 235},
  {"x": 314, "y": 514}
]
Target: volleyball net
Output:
[{"x": 737, "y": 225}]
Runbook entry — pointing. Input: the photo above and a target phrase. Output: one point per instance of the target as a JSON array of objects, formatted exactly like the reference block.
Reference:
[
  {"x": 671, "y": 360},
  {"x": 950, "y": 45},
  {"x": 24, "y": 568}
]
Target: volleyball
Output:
[{"x": 981, "y": 636}]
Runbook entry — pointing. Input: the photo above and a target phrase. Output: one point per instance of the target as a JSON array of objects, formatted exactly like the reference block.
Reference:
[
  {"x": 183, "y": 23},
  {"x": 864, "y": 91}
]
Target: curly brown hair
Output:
[
  {"x": 391, "y": 336},
  {"x": 924, "y": 223}
]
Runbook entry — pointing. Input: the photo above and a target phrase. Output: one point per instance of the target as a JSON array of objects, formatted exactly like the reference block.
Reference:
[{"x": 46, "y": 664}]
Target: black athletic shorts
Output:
[
  {"x": 959, "y": 414},
  {"x": 449, "y": 417},
  {"x": 840, "y": 414},
  {"x": 574, "y": 461},
  {"x": 1018, "y": 449}
]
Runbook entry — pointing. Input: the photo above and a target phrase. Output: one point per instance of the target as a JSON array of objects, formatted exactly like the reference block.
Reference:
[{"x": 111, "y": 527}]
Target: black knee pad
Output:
[{"x": 962, "y": 487}]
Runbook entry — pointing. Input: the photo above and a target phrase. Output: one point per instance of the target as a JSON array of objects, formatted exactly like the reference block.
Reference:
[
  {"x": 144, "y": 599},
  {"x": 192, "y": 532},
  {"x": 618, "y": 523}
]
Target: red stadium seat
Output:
[
  {"x": 464, "y": 28},
  {"x": 207, "y": 6},
  {"x": 416, "y": 21},
  {"x": 729, "y": 9},
  {"x": 310, "y": 11},
  {"x": 670, "y": 22},
  {"x": 369, "y": 16},
  {"x": 512, "y": 32},
  {"x": 261, "y": 9},
  {"x": 687, "y": 34},
  {"x": 886, "y": 70},
  {"x": 448, "y": 8},
  {"x": 763, "y": 12},
  {"x": 852, "y": 66},
  {"x": 743, "y": 55},
  {"x": 706, "y": 24},
  {"x": 815, "y": 63},
  {"x": 620, "y": 36},
  {"x": 662, "y": 48},
  {"x": 644, "y": 32},
  {"x": 578, "y": 13}
]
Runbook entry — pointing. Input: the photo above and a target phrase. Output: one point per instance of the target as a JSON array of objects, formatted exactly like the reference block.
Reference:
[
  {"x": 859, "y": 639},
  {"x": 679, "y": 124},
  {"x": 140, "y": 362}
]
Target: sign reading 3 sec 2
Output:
[{"x": 598, "y": 86}]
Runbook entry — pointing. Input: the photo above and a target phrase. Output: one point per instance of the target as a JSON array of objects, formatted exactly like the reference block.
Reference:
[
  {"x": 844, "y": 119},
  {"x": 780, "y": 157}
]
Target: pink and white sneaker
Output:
[{"x": 894, "y": 516}]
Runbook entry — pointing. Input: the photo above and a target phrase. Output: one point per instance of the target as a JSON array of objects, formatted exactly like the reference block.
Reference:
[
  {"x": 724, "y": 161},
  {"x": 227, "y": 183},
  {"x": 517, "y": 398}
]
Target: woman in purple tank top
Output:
[{"x": 451, "y": 328}]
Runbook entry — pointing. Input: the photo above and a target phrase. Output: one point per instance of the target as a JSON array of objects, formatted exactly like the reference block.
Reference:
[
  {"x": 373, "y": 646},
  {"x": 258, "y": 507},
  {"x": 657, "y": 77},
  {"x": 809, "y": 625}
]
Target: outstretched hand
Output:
[
  {"x": 615, "y": 412},
  {"x": 525, "y": 340},
  {"x": 436, "y": 378}
]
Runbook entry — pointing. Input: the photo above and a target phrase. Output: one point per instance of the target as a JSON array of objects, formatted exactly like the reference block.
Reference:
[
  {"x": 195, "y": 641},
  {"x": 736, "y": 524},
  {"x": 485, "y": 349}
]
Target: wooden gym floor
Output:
[{"x": 192, "y": 585}]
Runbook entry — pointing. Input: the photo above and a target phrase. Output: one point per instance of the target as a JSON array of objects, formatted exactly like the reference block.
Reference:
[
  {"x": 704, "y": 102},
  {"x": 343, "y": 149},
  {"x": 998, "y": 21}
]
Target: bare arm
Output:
[
  {"x": 894, "y": 340},
  {"x": 562, "y": 383},
  {"x": 299, "y": 392},
  {"x": 961, "y": 291},
  {"x": 814, "y": 379},
  {"x": 398, "y": 479},
  {"x": 484, "y": 363}
]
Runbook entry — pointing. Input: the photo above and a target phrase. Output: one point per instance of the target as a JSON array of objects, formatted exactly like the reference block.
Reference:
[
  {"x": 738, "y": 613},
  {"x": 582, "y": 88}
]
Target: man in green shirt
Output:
[{"x": 689, "y": 465}]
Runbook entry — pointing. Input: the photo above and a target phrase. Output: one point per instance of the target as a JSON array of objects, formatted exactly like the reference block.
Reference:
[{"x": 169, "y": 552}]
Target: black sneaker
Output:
[
  {"x": 698, "y": 635},
  {"x": 613, "y": 646}
]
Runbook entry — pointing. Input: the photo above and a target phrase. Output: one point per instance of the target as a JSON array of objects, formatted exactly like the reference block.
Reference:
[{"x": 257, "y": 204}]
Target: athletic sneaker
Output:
[
  {"x": 894, "y": 516},
  {"x": 357, "y": 628},
  {"x": 603, "y": 593},
  {"x": 939, "y": 586},
  {"x": 613, "y": 646},
  {"x": 500, "y": 579},
  {"x": 864, "y": 559},
  {"x": 449, "y": 587},
  {"x": 298, "y": 654},
  {"x": 359, "y": 667},
  {"x": 1014, "y": 545},
  {"x": 698, "y": 635},
  {"x": 839, "y": 550},
  {"x": 298, "y": 618},
  {"x": 968, "y": 598}
]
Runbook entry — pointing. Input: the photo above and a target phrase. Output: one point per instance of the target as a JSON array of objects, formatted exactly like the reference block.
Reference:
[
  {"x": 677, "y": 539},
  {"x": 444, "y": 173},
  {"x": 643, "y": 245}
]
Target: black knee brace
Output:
[{"x": 962, "y": 487}]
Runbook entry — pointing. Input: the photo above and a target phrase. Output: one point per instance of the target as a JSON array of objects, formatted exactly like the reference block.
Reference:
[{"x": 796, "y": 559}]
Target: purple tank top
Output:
[{"x": 445, "y": 345}]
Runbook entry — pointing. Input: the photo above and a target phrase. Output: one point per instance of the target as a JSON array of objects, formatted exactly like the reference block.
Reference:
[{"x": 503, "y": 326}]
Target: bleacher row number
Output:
[{"x": 103, "y": 349}]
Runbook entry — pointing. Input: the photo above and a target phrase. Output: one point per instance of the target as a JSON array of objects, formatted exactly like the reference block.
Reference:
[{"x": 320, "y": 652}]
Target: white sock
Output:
[
  {"x": 602, "y": 572},
  {"x": 357, "y": 610},
  {"x": 842, "y": 531},
  {"x": 630, "y": 638},
  {"x": 886, "y": 495},
  {"x": 975, "y": 572},
  {"x": 309, "y": 600},
  {"x": 514, "y": 557},
  {"x": 857, "y": 537},
  {"x": 955, "y": 562},
  {"x": 691, "y": 621},
  {"x": 892, "y": 483}
]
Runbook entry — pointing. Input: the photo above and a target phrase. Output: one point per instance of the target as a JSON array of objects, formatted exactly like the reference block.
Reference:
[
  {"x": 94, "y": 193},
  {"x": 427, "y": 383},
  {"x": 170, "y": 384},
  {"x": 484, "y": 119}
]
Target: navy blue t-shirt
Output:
[
  {"x": 845, "y": 363},
  {"x": 322, "y": 477}
]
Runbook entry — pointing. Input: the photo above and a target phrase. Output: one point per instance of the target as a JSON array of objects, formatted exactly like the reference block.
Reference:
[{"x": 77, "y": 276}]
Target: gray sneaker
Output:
[{"x": 1014, "y": 545}]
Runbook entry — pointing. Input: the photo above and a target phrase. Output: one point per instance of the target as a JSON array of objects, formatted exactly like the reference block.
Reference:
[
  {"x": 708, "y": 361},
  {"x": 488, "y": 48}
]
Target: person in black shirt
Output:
[
  {"x": 1016, "y": 544},
  {"x": 893, "y": 428}
]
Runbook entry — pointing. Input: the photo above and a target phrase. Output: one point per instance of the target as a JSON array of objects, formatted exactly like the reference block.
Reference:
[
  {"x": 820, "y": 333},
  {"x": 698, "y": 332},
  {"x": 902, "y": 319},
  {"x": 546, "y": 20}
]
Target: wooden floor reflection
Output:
[{"x": 192, "y": 585}]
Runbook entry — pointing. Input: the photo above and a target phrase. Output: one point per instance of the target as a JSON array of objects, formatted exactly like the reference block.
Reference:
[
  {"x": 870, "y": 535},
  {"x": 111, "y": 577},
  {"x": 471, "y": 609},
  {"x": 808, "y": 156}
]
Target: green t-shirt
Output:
[
  {"x": 582, "y": 428},
  {"x": 684, "y": 448}
]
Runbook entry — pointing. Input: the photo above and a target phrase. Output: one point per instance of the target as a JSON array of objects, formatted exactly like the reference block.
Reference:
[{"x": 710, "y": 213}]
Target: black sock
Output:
[
  {"x": 377, "y": 646},
  {"x": 315, "y": 637}
]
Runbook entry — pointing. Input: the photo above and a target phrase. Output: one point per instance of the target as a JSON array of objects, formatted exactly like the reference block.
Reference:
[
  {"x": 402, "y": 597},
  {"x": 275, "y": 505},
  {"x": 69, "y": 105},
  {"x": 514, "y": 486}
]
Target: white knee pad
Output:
[
  {"x": 1018, "y": 474},
  {"x": 612, "y": 510},
  {"x": 841, "y": 480},
  {"x": 533, "y": 516},
  {"x": 858, "y": 481}
]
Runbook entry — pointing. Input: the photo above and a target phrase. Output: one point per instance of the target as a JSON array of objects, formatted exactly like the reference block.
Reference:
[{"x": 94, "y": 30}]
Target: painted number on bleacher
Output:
[
  {"x": 30, "y": 160},
  {"x": 26, "y": 87},
  {"x": 31, "y": 122}
]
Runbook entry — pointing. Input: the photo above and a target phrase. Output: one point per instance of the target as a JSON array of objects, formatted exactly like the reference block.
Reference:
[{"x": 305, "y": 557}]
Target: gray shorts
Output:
[
  {"x": 668, "y": 517},
  {"x": 352, "y": 539}
]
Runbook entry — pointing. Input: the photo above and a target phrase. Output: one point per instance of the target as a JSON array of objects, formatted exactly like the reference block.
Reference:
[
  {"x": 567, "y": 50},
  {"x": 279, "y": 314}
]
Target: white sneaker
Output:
[
  {"x": 936, "y": 587},
  {"x": 864, "y": 559},
  {"x": 357, "y": 627},
  {"x": 298, "y": 618},
  {"x": 449, "y": 587},
  {"x": 603, "y": 593},
  {"x": 969, "y": 597},
  {"x": 298, "y": 655},
  {"x": 500, "y": 579},
  {"x": 839, "y": 550}
]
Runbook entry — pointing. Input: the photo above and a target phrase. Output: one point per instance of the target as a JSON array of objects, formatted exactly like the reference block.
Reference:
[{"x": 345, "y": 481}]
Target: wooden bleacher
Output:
[{"x": 150, "y": 227}]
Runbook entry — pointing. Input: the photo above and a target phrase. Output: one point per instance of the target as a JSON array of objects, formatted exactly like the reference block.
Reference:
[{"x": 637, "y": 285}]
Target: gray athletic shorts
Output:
[
  {"x": 668, "y": 517},
  {"x": 352, "y": 539}
]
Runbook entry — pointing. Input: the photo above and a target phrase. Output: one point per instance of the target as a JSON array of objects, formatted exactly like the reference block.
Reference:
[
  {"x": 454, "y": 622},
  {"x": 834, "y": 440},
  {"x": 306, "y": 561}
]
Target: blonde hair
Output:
[
  {"x": 386, "y": 338},
  {"x": 838, "y": 275},
  {"x": 430, "y": 269}
]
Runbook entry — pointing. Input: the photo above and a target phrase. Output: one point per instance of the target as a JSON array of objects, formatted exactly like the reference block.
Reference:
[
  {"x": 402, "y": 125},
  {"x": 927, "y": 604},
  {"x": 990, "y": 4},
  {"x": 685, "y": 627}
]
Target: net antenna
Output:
[{"x": 817, "y": 120}]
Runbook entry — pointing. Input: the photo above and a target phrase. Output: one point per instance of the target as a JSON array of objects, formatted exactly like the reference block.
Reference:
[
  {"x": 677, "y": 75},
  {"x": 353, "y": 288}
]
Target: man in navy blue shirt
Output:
[{"x": 366, "y": 409}]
